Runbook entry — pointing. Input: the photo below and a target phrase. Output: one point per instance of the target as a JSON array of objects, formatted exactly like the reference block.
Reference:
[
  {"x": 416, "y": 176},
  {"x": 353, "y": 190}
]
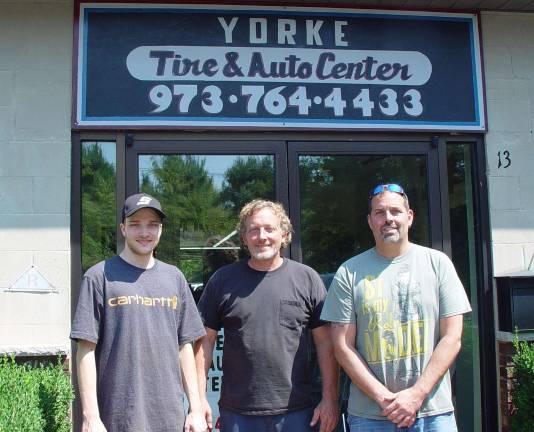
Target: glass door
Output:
[
  {"x": 325, "y": 185},
  {"x": 329, "y": 189},
  {"x": 202, "y": 186}
]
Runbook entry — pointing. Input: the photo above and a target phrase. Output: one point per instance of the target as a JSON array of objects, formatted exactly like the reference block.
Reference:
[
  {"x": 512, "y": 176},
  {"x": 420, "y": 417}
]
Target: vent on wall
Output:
[{"x": 515, "y": 295}]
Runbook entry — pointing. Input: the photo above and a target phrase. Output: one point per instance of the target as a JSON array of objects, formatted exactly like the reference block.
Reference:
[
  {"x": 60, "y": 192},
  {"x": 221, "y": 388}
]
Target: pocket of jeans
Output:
[{"x": 292, "y": 314}]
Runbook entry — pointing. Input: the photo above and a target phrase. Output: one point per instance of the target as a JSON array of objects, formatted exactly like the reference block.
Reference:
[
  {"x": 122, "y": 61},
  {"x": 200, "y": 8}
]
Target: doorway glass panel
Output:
[
  {"x": 98, "y": 183},
  {"x": 466, "y": 374},
  {"x": 334, "y": 193},
  {"x": 201, "y": 196}
]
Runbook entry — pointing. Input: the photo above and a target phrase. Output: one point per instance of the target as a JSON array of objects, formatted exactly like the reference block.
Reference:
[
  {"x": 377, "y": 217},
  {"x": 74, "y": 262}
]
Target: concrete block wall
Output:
[
  {"x": 508, "y": 44},
  {"x": 35, "y": 104}
]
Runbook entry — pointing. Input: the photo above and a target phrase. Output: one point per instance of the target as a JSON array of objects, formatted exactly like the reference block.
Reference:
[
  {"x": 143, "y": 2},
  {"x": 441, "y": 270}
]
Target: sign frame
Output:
[{"x": 82, "y": 120}]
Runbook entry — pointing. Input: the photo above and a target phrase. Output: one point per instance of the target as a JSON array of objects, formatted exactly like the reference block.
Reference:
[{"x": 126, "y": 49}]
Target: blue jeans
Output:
[
  {"x": 438, "y": 423},
  {"x": 293, "y": 421}
]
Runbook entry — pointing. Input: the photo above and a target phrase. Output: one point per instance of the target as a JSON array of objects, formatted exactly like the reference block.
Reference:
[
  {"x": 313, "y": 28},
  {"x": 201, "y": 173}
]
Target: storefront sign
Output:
[{"x": 265, "y": 67}]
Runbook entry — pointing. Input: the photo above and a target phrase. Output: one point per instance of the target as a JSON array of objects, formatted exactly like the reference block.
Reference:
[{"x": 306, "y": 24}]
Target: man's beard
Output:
[
  {"x": 391, "y": 236},
  {"x": 265, "y": 255}
]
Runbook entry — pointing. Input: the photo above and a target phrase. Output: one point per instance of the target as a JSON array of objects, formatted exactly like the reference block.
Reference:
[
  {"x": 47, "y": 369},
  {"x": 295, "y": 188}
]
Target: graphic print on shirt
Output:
[
  {"x": 169, "y": 302},
  {"x": 396, "y": 328}
]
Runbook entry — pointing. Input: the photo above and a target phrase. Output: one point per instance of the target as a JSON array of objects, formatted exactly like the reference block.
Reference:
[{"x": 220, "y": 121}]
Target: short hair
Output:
[
  {"x": 260, "y": 204},
  {"x": 403, "y": 195}
]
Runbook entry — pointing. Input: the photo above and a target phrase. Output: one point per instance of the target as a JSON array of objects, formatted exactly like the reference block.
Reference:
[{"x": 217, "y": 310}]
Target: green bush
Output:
[
  {"x": 34, "y": 399},
  {"x": 522, "y": 419}
]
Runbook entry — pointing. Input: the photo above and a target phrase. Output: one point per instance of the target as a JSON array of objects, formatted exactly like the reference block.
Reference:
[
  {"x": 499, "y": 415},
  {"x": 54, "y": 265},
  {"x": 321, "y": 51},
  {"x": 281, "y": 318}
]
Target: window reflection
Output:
[
  {"x": 466, "y": 378},
  {"x": 202, "y": 197},
  {"x": 334, "y": 194},
  {"x": 98, "y": 202}
]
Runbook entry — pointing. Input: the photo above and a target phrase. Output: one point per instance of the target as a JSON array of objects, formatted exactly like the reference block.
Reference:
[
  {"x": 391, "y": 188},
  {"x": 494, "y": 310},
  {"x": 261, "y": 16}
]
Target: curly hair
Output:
[{"x": 259, "y": 204}]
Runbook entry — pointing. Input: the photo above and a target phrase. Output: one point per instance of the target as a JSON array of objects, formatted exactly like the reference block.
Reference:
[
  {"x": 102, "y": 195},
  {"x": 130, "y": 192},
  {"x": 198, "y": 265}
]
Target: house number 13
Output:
[{"x": 504, "y": 159}]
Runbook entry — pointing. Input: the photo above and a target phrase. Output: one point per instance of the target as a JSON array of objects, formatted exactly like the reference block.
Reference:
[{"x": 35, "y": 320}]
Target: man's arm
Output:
[
  {"x": 343, "y": 339},
  {"x": 85, "y": 360},
  {"x": 203, "y": 359},
  {"x": 195, "y": 421},
  {"x": 403, "y": 409},
  {"x": 327, "y": 412}
]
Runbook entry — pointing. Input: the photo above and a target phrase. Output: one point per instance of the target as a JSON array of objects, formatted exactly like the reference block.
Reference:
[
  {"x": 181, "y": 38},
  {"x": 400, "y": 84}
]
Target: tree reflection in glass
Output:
[
  {"x": 99, "y": 225},
  {"x": 202, "y": 197},
  {"x": 334, "y": 194}
]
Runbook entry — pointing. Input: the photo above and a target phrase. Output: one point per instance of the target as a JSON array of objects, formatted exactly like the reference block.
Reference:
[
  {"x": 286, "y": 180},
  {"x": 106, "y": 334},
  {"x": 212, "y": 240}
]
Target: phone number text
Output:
[{"x": 279, "y": 100}]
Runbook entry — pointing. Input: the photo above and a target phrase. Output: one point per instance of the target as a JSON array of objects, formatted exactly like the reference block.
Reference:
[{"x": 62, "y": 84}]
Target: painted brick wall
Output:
[
  {"x": 35, "y": 100},
  {"x": 508, "y": 43}
]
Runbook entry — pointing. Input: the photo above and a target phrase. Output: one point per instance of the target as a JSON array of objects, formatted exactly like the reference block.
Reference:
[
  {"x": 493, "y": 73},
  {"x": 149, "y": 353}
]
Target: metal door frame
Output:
[{"x": 286, "y": 146}]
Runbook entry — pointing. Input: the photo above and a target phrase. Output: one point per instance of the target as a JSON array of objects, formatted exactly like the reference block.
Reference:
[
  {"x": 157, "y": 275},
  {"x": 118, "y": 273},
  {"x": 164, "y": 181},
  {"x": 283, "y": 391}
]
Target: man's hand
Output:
[
  {"x": 327, "y": 414},
  {"x": 93, "y": 425},
  {"x": 384, "y": 399},
  {"x": 402, "y": 410},
  {"x": 206, "y": 410},
  {"x": 195, "y": 422}
]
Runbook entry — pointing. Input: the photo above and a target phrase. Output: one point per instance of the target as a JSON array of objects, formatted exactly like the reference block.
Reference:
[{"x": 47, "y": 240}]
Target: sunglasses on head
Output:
[{"x": 392, "y": 187}]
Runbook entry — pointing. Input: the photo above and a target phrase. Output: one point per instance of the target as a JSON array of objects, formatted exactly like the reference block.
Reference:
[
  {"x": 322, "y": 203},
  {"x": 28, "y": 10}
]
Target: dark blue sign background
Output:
[{"x": 109, "y": 94}]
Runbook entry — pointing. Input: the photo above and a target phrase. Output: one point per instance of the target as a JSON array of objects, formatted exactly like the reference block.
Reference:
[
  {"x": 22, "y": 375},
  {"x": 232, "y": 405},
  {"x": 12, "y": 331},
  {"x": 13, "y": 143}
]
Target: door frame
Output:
[
  {"x": 217, "y": 142},
  {"x": 435, "y": 149}
]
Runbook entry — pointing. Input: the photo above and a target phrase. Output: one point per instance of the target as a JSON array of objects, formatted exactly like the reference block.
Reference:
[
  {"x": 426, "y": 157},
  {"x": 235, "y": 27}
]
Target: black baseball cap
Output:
[{"x": 139, "y": 201}]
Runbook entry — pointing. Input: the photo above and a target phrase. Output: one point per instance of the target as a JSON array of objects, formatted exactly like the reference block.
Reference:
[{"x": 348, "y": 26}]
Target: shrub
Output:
[
  {"x": 34, "y": 399},
  {"x": 522, "y": 419}
]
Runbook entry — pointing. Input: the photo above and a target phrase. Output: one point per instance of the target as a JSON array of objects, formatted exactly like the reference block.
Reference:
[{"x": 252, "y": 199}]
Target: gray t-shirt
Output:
[
  {"x": 396, "y": 305},
  {"x": 266, "y": 318},
  {"x": 138, "y": 318}
]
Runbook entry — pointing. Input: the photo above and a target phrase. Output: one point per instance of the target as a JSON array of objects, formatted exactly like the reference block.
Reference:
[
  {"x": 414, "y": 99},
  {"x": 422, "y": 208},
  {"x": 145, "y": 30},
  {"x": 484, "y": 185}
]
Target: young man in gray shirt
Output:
[
  {"x": 396, "y": 313},
  {"x": 268, "y": 306},
  {"x": 135, "y": 324}
]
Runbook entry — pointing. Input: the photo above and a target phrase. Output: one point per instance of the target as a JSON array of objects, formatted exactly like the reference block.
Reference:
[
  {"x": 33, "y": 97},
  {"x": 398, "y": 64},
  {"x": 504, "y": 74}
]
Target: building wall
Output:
[
  {"x": 35, "y": 107},
  {"x": 508, "y": 44}
]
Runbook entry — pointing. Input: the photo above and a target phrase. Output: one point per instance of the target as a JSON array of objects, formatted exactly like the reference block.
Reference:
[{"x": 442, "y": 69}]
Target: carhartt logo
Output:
[
  {"x": 170, "y": 302},
  {"x": 144, "y": 200}
]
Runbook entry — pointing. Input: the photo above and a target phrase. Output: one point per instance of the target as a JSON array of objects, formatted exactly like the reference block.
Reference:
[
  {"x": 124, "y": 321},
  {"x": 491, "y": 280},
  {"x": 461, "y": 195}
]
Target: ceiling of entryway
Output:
[{"x": 455, "y": 5}]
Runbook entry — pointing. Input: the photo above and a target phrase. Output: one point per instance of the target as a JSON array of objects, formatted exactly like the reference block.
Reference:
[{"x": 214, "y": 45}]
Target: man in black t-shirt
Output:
[{"x": 268, "y": 306}]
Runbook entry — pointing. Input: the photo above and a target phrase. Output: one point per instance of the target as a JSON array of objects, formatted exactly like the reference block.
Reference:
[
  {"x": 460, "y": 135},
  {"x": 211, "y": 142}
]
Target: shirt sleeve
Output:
[
  {"x": 452, "y": 296},
  {"x": 86, "y": 323},
  {"x": 209, "y": 304},
  {"x": 339, "y": 303},
  {"x": 318, "y": 293},
  {"x": 190, "y": 326}
]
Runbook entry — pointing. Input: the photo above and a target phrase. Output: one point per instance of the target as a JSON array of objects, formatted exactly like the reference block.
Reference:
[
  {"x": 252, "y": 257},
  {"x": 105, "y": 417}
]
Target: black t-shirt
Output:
[{"x": 267, "y": 318}]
